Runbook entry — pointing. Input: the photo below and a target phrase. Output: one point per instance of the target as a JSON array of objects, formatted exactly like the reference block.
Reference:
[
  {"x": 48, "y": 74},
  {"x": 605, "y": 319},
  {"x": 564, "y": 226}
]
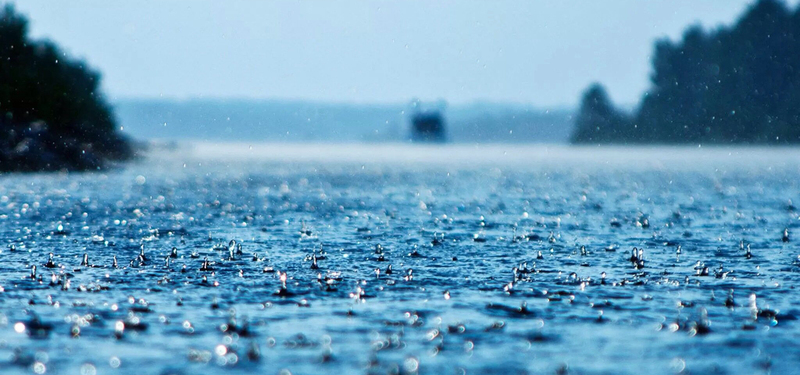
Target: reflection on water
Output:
[{"x": 387, "y": 259}]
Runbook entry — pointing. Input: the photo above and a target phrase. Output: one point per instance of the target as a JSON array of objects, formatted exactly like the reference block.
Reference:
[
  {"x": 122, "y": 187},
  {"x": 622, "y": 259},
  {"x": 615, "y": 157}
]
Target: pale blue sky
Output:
[{"x": 543, "y": 53}]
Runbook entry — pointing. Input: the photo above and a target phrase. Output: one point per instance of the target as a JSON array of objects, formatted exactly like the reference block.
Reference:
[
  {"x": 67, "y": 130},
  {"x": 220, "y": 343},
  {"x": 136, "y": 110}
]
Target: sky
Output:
[{"x": 536, "y": 52}]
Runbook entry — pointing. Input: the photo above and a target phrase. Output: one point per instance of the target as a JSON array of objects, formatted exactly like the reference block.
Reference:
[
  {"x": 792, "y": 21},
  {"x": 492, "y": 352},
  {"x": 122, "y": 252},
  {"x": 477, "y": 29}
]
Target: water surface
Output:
[{"x": 504, "y": 259}]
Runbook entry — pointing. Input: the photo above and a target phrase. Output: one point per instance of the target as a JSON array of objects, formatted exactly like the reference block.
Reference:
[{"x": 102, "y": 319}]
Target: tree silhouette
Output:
[
  {"x": 598, "y": 121},
  {"x": 738, "y": 84},
  {"x": 52, "y": 113}
]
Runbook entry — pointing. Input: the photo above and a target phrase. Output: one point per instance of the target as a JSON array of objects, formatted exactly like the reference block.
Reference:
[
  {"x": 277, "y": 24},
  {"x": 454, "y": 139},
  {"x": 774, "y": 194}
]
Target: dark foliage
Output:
[
  {"x": 739, "y": 84},
  {"x": 428, "y": 127},
  {"x": 598, "y": 121},
  {"x": 52, "y": 115}
]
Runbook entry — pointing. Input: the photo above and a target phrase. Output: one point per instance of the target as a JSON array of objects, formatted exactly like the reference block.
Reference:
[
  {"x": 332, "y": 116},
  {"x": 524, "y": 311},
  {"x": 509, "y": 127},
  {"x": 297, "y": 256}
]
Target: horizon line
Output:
[{"x": 354, "y": 103}]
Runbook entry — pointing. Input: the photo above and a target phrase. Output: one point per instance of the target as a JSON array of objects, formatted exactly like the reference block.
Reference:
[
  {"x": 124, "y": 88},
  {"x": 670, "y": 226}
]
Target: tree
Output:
[
  {"x": 54, "y": 102},
  {"x": 598, "y": 121},
  {"x": 738, "y": 84}
]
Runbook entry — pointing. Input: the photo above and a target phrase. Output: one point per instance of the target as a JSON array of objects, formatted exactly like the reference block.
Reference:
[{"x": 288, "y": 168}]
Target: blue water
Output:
[{"x": 453, "y": 223}]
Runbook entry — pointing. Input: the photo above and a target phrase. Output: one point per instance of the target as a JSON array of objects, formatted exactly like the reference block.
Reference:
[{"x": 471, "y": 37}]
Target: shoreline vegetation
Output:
[
  {"x": 734, "y": 85},
  {"x": 52, "y": 114}
]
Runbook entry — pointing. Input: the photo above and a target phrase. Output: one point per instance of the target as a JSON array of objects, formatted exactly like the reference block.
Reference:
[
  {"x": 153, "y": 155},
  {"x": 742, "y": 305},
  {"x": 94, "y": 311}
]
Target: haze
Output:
[{"x": 532, "y": 52}]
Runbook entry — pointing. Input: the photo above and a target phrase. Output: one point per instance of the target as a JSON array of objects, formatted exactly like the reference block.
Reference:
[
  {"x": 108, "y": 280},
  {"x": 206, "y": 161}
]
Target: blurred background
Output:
[{"x": 511, "y": 71}]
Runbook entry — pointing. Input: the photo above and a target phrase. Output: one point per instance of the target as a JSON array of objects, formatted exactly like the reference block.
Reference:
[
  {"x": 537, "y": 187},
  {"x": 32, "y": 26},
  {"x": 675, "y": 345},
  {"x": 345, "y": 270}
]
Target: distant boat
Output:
[{"x": 428, "y": 126}]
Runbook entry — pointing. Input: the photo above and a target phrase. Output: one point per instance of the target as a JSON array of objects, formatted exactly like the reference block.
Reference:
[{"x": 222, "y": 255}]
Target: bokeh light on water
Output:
[{"x": 359, "y": 259}]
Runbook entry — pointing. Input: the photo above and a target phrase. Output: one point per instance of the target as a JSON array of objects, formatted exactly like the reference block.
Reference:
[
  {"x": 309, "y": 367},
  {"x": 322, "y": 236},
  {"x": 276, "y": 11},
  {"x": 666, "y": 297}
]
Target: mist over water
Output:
[
  {"x": 543, "y": 157},
  {"x": 213, "y": 187},
  {"x": 503, "y": 259}
]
